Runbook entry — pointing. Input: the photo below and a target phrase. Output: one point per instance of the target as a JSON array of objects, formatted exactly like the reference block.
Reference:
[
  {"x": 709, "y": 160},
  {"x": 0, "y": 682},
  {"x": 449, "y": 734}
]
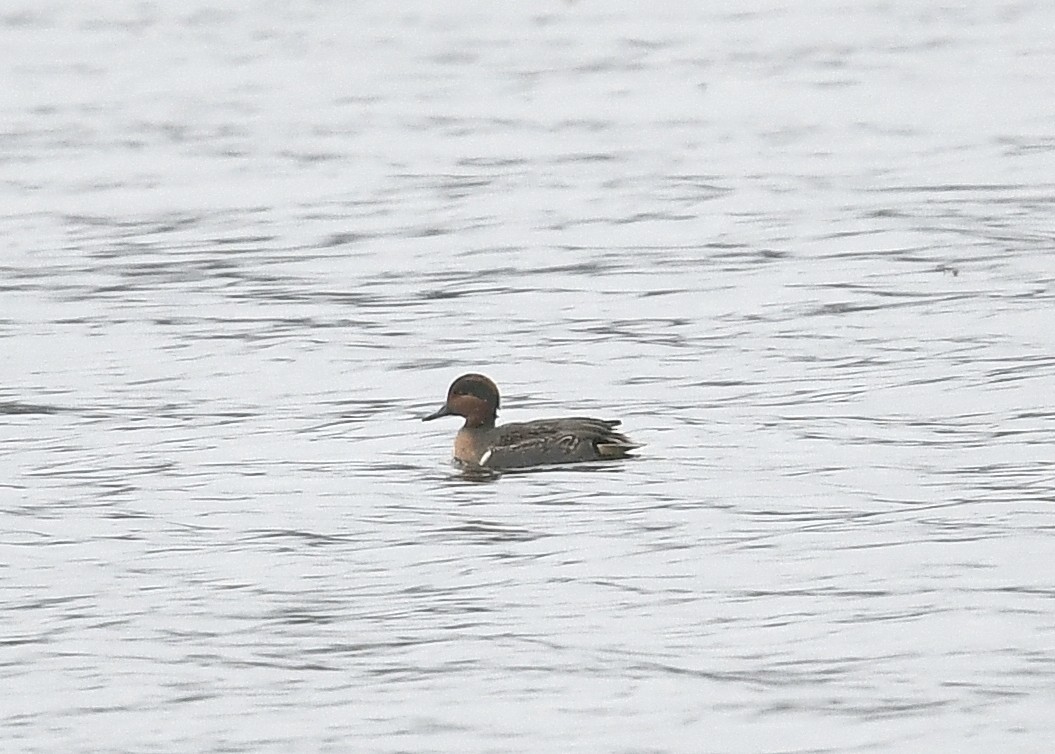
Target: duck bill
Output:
[{"x": 443, "y": 411}]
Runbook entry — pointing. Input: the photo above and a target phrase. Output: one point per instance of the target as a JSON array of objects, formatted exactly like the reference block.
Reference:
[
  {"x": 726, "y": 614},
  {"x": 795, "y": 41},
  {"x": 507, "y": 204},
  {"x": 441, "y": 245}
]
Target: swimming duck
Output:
[{"x": 481, "y": 443}]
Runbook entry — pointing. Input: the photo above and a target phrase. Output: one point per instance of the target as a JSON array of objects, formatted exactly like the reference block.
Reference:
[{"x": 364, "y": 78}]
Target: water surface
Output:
[{"x": 804, "y": 253}]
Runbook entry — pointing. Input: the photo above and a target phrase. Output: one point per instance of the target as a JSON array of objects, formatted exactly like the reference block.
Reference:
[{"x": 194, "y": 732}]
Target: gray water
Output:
[{"x": 803, "y": 251}]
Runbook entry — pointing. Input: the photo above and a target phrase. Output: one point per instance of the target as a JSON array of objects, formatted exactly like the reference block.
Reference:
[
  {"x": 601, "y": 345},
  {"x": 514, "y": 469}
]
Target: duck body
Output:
[
  {"x": 569, "y": 440},
  {"x": 480, "y": 443}
]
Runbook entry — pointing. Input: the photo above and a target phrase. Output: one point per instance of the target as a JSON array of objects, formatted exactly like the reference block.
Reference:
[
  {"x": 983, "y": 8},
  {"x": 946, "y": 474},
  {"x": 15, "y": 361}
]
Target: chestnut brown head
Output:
[{"x": 473, "y": 396}]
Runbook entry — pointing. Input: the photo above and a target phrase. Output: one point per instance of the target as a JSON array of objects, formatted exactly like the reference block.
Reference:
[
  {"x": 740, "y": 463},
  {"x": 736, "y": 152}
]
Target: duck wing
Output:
[{"x": 569, "y": 440}]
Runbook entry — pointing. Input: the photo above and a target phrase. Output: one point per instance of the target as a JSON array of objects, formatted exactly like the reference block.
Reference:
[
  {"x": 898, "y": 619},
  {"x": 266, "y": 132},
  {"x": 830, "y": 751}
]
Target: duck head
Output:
[{"x": 473, "y": 396}]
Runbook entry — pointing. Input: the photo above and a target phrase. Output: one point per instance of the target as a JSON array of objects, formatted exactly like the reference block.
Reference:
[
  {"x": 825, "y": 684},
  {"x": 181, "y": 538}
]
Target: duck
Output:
[{"x": 482, "y": 444}]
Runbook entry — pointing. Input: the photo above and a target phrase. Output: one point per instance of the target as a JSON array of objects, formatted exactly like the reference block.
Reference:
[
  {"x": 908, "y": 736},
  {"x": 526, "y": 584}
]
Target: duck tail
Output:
[{"x": 616, "y": 447}]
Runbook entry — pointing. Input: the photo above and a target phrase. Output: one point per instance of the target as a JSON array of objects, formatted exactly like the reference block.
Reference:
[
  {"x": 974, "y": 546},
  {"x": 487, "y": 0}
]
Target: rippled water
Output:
[{"x": 804, "y": 252}]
